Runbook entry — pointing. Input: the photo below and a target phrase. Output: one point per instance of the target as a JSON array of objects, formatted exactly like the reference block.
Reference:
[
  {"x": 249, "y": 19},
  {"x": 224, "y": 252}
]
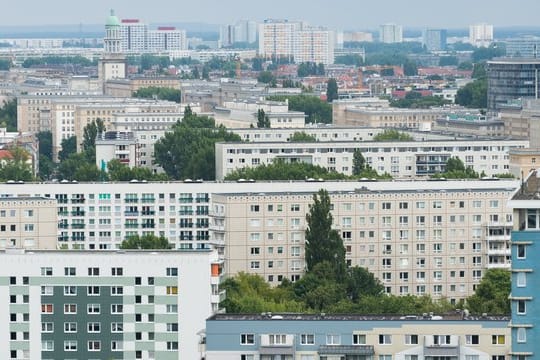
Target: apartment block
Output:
[
  {"x": 106, "y": 305},
  {"x": 137, "y": 37},
  {"x": 311, "y": 337},
  {"x": 431, "y": 237},
  {"x": 525, "y": 203},
  {"x": 28, "y": 222},
  {"x": 481, "y": 35},
  {"x": 405, "y": 159},
  {"x": 390, "y": 33}
]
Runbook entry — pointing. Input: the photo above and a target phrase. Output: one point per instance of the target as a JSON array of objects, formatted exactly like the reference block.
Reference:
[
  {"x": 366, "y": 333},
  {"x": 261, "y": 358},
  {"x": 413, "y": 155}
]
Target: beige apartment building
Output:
[
  {"x": 432, "y": 237},
  {"x": 28, "y": 222}
]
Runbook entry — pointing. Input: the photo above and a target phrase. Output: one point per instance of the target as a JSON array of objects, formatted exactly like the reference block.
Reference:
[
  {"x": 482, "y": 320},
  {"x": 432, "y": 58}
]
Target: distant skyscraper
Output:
[
  {"x": 434, "y": 39},
  {"x": 134, "y": 35},
  {"x": 138, "y": 38},
  {"x": 244, "y": 31},
  {"x": 391, "y": 33},
  {"x": 481, "y": 35},
  {"x": 298, "y": 41}
]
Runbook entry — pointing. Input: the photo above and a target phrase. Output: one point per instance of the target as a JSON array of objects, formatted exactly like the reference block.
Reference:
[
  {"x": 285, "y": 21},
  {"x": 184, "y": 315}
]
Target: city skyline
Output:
[{"x": 342, "y": 15}]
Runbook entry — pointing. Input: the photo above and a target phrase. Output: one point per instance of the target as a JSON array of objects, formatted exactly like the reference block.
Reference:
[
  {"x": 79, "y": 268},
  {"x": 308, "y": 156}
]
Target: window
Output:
[
  {"x": 117, "y": 290},
  {"x": 93, "y": 271},
  {"x": 359, "y": 339},
  {"x": 172, "y": 271},
  {"x": 69, "y": 271},
  {"x": 92, "y": 290},
  {"x": 472, "y": 339},
  {"x": 441, "y": 339},
  {"x": 385, "y": 339},
  {"x": 172, "y": 327},
  {"x": 172, "y": 290},
  {"x": 171, "y": 309},
  {"x": 521, "y": 307},
  {"x": 247, "y": 339},
  {"x": 117, "y": 308},
  {"x": 47, "y": 327},
  {"x": 94, "y": 327},
  {"x": 94, "y": 345},
  {"x": 47, "y": 345},
  {"x": 277, "y": 339},
  {"x": 521, "y": 279},
  {"x": 117, "y": 271},
  {"x": 94, "y": 308},
  {"x": 70, "y": 327},
  {"x": 117, "y": 345},
  {"x": 498, "y": 339},
  {"x": 172, "y": 345},
  {"x": 70, "y": 308},
  {"x": 70, "y": 290},
  {"x": 333, "y": 339},
  {"x": 117, "y": 327},
  {"x": 46, "y": 271},
  {"x": 521, "y": 254},
  {"x": 385, "y": 357},
  {"x": 411, "y": 339},
  {"x": 521, "y": 335},
  {"x": 46, "y": 308},
  {"x": 70, "y": 345},
  {"x": 47, "y": 290},
  {"x": 307, "y": 339}
]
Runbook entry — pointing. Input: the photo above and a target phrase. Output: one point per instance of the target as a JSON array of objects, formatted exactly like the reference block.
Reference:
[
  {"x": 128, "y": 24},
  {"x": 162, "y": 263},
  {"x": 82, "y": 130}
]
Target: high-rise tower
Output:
[{"x": 113, "y": 64}]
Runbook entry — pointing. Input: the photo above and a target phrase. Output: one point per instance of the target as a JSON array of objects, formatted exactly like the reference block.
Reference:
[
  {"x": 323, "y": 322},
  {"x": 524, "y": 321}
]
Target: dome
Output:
[{"x": 112, "y": 20}]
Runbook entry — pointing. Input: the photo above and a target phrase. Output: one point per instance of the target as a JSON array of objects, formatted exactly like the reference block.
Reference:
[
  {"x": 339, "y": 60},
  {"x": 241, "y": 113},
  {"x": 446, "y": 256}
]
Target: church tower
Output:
[{"x": 113, "y": 64}]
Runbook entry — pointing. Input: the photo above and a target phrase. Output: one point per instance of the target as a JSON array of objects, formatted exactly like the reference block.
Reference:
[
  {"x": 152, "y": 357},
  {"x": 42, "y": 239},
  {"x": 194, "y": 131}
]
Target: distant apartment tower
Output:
[
  {"x": 434, "y": 39},
  {"x": 299, "y": 42},
  {"x": 166, "y": 38},
  {"x": 391, "y": 33},
  {"x": 136, "y": 37},
  {"x": 481, "y": 35},
  {"x": 511, "y": 79},
  {"x": 244, "y": 31}
]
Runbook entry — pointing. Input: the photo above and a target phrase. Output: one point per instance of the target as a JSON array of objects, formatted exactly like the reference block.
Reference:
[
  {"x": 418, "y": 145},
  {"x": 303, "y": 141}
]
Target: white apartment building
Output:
[
  {"x": 134, "y": 35},
  {"x": 407, "y": 159},
  {"x": 390, "y": 33},
  {"x": 303, "y": 43},
  {"x": 137, "y": 37},
  {"x": 435, "y": 238},
  {"x": 244, "y": 31},
  {"x": 481, "y": 35},
  {"x": 243, "y": 114},
  {"x": 107, "y": 305},
  {"x": 166, "y": 38}
]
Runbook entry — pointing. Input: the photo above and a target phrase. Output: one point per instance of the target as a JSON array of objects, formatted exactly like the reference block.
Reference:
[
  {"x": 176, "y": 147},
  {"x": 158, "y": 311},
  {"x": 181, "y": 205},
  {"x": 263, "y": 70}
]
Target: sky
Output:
[{"x": 336, "y": 14}]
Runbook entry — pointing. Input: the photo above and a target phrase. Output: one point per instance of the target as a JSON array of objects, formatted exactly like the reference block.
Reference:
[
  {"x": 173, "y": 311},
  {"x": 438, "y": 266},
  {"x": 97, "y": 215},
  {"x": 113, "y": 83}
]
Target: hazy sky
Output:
[{"x": 340, "y": 14}]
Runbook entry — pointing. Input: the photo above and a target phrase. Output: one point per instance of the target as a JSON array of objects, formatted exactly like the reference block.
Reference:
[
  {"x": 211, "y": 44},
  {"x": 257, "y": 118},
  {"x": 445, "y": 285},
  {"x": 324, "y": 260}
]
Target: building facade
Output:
[
  {"x": 524, "y": 299},
  {"x": 434, "y": 39},
  {"x": 390, "y": 33},
  {"x": 405, "y": 159},
  {"x": 311, "y": 337},
  {"x": 86, "y": 305},
  {"x": 522, "y": 47},
  {"x": 137, "y": 37},
  {"x": 481, "y": 35},
  {"x": 417, "y": 237}
]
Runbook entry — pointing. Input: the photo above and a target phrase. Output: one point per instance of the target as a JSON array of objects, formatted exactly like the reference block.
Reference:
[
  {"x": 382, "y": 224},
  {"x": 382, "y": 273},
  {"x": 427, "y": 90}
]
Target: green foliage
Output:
[
  {"x": 257, "y": 64},
  {"x": 309, "y": 69},
  {"x": 421, "y": 102},
  {"x": 359, "y": 162},
  {"x": 46, "y": 167},
  {"x": 483, "y": 54},
  {"x": 161, "y": 93},
  {"x": 116, "y": 171},
  {"x": 331, "y": 90},
  {"x": 392, "y": 135},
  {"x": 287, "y": 83},
  {"x": 262, "y": 119},
  {"x": 355, "y": 60},
  {"x": 491, "y": 295},
  {"x": 465, "y": 65},
  {"x": 322, "y": 242},
  {"x": 147, "y": 242},
  {"x": 300, "y": 136},
  {"x": 188, "y": 150},
  {"x": 90, "y": 133},
  {"x": 68, "y": 147},
  {"x": 45, "y": 144},
  {"x": 266, "y": 77},
  {"x": 17, "y": 168},
  {"x": 474, "y": 94},
  {"x": 504, "y": 176},
  {"x": 455, "y": 169},
  {"x": 5, "y": 64},
  {"x": 8, "y": 115},
  {"x": 448, "y": 61},
  {"x": 410, "y": 68},
  {"x": 281, "y": 170},
  {"x": 147, "y": 62},
  {"x": 57, "y": 60},
  {"x": 78, "y": 167},
  {"x": 316, "y": 110}
]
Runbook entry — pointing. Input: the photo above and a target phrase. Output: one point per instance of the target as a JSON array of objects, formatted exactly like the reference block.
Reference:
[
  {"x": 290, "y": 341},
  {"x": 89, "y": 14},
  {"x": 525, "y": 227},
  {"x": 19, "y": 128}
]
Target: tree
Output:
[
  {"x": 45, "y": 144},
  {"x": 188, "y": 151},
  {"x": 359, "y": 162},
  {"x": 8, "y": 115},
  {"x": 68, "y": 147},
  {"x": 17, "y": 167},
  {"x": 456, "y": 169},
  {"x": 262, "y": 119},
  {"x": 361, "y": 282},
  {"x": 147, "y": 242},
  {"x": 331, "y": 90},
  {"x": 300, "y": 136},
  {"x": 116, "y": 171},
  {"x": 78, "y": 167},
  {"x": 161, "y": 93},
  {"x": 448, "y": 61},
  {"x": 392, "y": 135},
  {"x": 322, "y": 242},
  {"x": 474, "y": 94},
  {"x": 410, "y": 68},
  {"x": 266, "y": 77},
  {"x": 316, "y": 110},
  {"x": 90, "y": 133},
  {"x": 492, "y": 294},
  {"x": 5, "y": 64}
]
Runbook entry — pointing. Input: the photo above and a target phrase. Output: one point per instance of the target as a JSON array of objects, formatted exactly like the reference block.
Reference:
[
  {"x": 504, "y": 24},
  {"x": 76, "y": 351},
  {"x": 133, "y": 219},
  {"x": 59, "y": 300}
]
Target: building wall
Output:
[
  {"x": 407, "y": 339},
  {"x": 416, "y": 241},
  {"x": 46, "y": 290}
]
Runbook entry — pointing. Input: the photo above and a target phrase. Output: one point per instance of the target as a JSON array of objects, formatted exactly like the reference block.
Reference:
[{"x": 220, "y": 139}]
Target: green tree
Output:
[
  {"x": 262, "y": 119},
  {"x": 392, "y": 135},
  {"x": 17, "y": 167},
  {"x": 45, "y": 144},
  {"x": 474, "y": 94},
  {"x": 331, "y": 90},
  {"x": 5, "y": 64},
  {"x": 147, "y": 242},
  {"x": 492, "y": 294},
  {"x": 78, "y": 167},
  {"x": 448, "y": 61},
  {"x": 479, "y": 70},
  {"x": 361, "y": 282},
  {"x": 322, "y": 242},
  {"x": 355, "y": 60},
  {"x": 410, "y": 68},
  {"x": 359, "y": 162},
  {"x": 456, "y": 169},
  {"x": 46, "y": 167},
  {"x": 316, "y": 110},
  {"x": 162, "y": 93},
  {"x": 195, "y": 72},
  {"x": 117, "y": 171},
  {"x": 8, "y": 115},
  {"x": 68, "y": 147},
  {"x": 300, "y": 136},
  {"x": 266, "y": 77},
  {"x": 282, "y": 170},
  {"x": 188, "y": 150},
  {"x": 90, "y": 133}
]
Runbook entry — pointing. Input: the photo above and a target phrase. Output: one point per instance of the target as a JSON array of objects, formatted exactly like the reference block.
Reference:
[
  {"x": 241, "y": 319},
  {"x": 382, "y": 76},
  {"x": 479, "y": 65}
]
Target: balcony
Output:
[
  {"x": 185, "y": 200},
  {"x": 148, "y": 200},
  {"x": 502, "y": 251},
  {"x": 185, "y": 212},
  {"x": 131, "y": 225},
  {"x": 148, "y": 213},
  {"x": 77, "y": 238},
  {"x": 202, "y": 237},
  {"x": 148, "y": 225},
  {"x": 77, "y": 201},
  {"x": 77, "y": 226},
  {"x": 131, "y": 213},
  {"x": 131, "y": 200},
  {"x": 498, "y": 238},
  {"x": 77, "y": 213},
  {"x": 185, "y": 225},
  {"x": 343, "y": 351},
  {"x": 63, "y": 238},
  {"x": 202, "y": 212},
  {"x": 499, "y": 265},
  {"x": 63, "y": 213},
  {"x": 63, "y": 225}
]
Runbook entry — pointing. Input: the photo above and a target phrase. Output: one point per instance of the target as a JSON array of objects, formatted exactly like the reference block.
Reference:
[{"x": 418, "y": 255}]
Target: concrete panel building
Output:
[
  {"x": 481, "y": 35},
  {"x": 390, "y": 33},
  {"x": 418, "y": 238},
  {"x": 311, "y": 337},
  {"x": 107, "y": 305}
]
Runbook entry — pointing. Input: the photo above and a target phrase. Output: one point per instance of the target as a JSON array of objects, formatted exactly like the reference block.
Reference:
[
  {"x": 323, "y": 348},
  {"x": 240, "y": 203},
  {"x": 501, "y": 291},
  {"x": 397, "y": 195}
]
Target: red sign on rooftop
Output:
[
  {"x": 166, "y": 28},
  {"x": 130, "y": 21}
]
